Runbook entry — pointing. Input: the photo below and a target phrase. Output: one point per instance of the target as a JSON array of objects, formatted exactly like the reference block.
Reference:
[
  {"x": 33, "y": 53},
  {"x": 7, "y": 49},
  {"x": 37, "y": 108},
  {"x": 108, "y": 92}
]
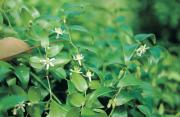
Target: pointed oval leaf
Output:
[
  {"x": 77, "y": 99},
  {"x": 56, "y": 110},
  {"x": 22, "y": 72},
  {"x": 34, "y": 94},
  {"x": 79, "y": 82},
  {"x": 145, "y": 110}
]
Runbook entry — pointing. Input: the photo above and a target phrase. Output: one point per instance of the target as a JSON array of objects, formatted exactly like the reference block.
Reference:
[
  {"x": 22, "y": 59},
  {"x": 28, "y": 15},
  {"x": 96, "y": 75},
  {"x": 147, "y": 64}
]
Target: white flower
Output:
[
  {"x": 141, "y": 50},
  {"x": 58, "y": 31},
  {"x": 20, "y": 106},
  {"x": 89, "y": 75},
  {"x": 48, "y": 62},
  {"x": 79, "y": 58},
  {"x": 76, "y": 70}
]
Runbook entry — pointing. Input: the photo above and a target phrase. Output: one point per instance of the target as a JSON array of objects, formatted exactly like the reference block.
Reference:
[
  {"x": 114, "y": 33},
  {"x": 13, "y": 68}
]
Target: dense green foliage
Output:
[{"x": 90, "y": 58}]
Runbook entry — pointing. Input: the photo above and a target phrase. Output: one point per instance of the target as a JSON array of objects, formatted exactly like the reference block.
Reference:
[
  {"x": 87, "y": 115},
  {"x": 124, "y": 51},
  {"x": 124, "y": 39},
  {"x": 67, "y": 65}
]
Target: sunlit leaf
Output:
[
  {"x": 56, "y": 110},
  {"x": 79, "y": 82},
  {"x": 34, "y": 94},
  {"x": 77, "y": 99},
  {"x": 22, "y": 73}
]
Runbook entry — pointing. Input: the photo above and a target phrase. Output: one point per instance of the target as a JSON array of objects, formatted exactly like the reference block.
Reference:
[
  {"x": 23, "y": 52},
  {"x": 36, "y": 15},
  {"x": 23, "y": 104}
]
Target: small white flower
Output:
[
  {"x": 89, "y": 75},
  {"x": 79, "y": 58},
  {"x": 76, "y": 70},
  {"x": 58, "y": 31},
  {"x": 141, "y": 50},
  {"x": 20, "y": 106},
  {"x": 48, "y": 62}
]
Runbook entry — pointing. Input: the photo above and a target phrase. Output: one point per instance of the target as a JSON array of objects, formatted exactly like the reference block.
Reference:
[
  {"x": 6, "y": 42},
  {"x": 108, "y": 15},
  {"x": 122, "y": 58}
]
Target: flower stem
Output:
[{"x": 45, "y": 87}]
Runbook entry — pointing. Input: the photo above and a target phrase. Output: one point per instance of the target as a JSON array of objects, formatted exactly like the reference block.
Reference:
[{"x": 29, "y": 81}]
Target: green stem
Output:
[
  {"x": 70, "y": 38},
  {"x": 49, "y": 85},
  {"x": 114, "y": 97},
  {"x": 45, "y": 87}
]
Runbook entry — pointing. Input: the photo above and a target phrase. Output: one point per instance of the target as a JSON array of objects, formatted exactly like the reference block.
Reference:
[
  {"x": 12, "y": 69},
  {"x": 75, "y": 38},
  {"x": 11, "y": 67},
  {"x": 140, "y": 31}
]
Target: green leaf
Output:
[
  {"x": 129, "y": 80},
  {"x": 35, "y": 62},
  {"x": 129, "y": 50},
  {"x": 58, "y": 73},
  {"x": 155, "y": 54},
  {"x": 61, "y": 61},
  {"x": 145, "y": 110},
  {"x": 57, "y": 110},
  {"x": 86, "y": 112},
  {"x": 71, "y": 87},
  {"x": 123, "y": 98},
  {"x": 120, "y": 112},
  {"x": 34, "y": 94},
  {"x": 5, "y": 68},
  {"x": 17, "y": 90},
  {"x": 79, "y": 82},
  {"x": 144, "y": 37},
  {"x": 44, "y": 41},
  {"x": 11, "y": 81},
  {"x": 34, "y": 110},
  {"x": 79, "y": 28},
  {"x": 25, "y": 16},
  {"x": 74, "y": 112},
  {"x": 102, "y": 91},
  {"x": 95, "y": 84},
  {"x": 10, "y": 101},
  {"x": 22, "y": 73},
  {"x": 54, "y": 50},
  {"x": 77, "y": 99}
]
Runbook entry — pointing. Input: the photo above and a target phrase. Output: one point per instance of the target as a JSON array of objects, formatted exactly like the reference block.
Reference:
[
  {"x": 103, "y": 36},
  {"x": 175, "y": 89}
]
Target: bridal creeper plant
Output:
[{"x": 73, "y": 72}]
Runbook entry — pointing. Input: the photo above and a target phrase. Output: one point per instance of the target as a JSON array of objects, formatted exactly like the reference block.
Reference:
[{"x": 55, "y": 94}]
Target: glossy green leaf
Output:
[
  {"x": 74, "y": 112},
  {"x": 11, "y": 82},
  {"x": 102, "y": 91},
  {"x": 61, "y": 61},
  {"x": 144, "y": 37},
  {"x": 54, "y": 50},
  {"x": 79, "y": 82},
  {"x": 17, "y": 90},
  {"x": 95, "y": 84},
  {"x": 58, "y": 73},
  {"x": 56, "y": 110},
  {"x": 34, "y": 94},
  {"x": 34, "y": 110},
  {"x": 35, "y": 62},
  {"x": 25, "y": 16},
  {"x": 5, "y": 68},
  {"x": 129, "y": 80},
  {"x": 145, "y": 110},
  {"x": 77, "y": 99},
  {"x": 123, "y": 98},
  {"x": 86, "y": 112},
  {"x": 120, "y": 112},
  {"x": 22, "y": 73}
]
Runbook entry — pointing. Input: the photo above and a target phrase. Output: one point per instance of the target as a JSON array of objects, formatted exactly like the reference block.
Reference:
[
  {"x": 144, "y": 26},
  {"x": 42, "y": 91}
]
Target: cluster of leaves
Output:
[{"x": 99, "y": 71}]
